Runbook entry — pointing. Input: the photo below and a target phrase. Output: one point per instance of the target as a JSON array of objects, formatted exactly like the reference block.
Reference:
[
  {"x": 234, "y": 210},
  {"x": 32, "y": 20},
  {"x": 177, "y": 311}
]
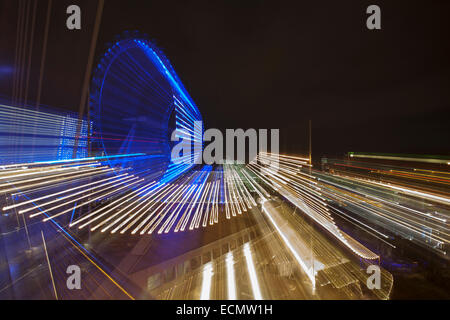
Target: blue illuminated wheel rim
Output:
[{"x": 136, "y": 101}]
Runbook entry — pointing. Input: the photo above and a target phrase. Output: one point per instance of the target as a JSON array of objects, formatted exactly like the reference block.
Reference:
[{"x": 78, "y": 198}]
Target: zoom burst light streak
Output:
[
  {"x": 392, "y": 199},
  {"x": 231, "y": 282},
  {"x": 252, "y": 272},
  {"x": 302, "y": 190},
  {"x": 29, "y": 136},
  {"x": 206, "y": 283}
]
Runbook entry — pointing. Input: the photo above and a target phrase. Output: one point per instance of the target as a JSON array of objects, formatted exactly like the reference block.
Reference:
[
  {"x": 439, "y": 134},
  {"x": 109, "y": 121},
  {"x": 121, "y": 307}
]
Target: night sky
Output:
[{"x": 274, "y": 64}]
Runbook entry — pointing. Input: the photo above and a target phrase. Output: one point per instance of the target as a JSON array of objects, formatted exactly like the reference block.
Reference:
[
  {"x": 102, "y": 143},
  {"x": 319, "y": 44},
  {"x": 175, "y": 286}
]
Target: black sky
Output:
[{"x": 276, "y": 64}]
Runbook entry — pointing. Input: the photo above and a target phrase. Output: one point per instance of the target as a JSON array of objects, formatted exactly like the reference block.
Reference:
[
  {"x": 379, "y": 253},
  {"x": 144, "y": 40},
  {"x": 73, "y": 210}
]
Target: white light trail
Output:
[
  {"x": 47, "y": 177},
  {"x": 173, "y": 217},
  {"x": 231, "y": 284},
  {"x": 125, "y": 177},
  {"x": 197, "y": 195},
  {"x": 56, "y": 194},
  {"x": 150, "y": 203},
  {"x": 297, "y": 257},
  {"x": 252, "y": 272},
  {"x": 160, "y": 217},
  {"x": 72, "y": 179},
  {"x": 90, "y": 201},
  {"x": 120, "y": 200},
  {"x": 116, "y": 183},
  {"x": 206, "y": 283},
  {"x": 197, "y": 215},
  {"x": 414, "y": 192},
  {"x": 158, "y": 196},
  {"x": 139, "y": 199}
]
